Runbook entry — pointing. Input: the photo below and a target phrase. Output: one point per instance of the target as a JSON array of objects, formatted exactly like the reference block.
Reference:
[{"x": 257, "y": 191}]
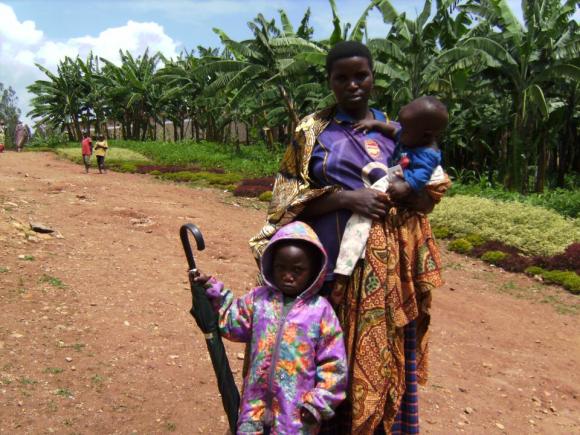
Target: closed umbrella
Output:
[{"x": 207, "y": 320}]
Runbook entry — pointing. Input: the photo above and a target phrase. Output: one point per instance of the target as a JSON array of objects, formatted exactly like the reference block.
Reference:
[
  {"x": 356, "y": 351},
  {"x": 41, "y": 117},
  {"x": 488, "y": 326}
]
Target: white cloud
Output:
[
  {"x": 15, "y": 32},
  {"x": 22, "y": 45}
]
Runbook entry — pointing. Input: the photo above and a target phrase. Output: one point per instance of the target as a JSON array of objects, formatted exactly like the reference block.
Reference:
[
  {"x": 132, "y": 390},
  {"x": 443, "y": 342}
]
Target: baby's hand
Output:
[
  {"x": 365, "y": 125},
  {"x": 398, "y": 187},
  {"x": 196, "y": 277}
]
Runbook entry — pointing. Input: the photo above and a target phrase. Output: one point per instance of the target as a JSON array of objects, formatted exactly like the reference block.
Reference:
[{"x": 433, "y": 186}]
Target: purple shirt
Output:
[{"x": 338, "y": 158}]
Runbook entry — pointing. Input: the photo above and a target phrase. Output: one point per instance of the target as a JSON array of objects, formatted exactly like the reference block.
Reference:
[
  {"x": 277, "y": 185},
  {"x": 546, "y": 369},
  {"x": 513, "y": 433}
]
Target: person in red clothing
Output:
[{"x": 87, "y": 149}]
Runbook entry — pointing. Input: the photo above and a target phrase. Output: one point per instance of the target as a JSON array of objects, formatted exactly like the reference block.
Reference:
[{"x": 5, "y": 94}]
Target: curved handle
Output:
[{"x": 183, "y": 234}]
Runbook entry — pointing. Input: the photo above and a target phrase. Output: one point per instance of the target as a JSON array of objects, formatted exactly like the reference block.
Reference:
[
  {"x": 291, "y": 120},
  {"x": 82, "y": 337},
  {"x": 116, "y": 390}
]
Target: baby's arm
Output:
[
  {"x": 331, "y": 370},
  {"x": 385, "y": 128},
  {"x": 235, "y": 315}
]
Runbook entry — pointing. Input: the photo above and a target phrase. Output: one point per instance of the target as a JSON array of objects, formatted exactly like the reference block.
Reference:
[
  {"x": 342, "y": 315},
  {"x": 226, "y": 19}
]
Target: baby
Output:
[
  {"x": 422, "y": 122},
  {"x": 298, "y": 371}
]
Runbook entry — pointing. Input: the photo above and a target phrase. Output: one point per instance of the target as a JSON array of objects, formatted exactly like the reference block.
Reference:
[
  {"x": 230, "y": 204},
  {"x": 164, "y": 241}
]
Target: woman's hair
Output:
[{"x": 346, "y": 49}]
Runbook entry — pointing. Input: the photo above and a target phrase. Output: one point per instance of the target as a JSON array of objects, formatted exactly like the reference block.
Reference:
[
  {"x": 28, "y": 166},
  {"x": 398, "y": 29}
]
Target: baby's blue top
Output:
[{"x": 423, "y": 161}]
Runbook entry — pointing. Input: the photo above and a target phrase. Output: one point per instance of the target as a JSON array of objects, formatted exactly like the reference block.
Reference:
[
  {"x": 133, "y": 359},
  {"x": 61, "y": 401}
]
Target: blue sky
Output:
[{"x": 44, "y": 31}]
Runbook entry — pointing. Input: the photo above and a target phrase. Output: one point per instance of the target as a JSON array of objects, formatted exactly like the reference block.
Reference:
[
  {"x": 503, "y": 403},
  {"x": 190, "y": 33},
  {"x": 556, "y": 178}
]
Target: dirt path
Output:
[{"x": 95, "y": 335}]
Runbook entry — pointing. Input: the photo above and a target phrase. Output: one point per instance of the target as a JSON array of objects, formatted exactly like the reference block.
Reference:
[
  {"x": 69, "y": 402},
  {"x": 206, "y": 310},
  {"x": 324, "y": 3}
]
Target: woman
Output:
[{"x": 385, "y": 312}]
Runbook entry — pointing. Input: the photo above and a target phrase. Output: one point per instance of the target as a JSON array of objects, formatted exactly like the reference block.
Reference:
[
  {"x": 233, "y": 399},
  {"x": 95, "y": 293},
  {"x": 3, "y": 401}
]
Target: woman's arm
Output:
[{"x": 367, "y": 202}]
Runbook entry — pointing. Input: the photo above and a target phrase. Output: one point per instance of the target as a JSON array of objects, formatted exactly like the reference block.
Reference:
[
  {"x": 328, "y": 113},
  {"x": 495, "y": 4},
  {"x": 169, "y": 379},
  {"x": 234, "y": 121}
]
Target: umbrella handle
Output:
[{"x": 183, "y": 234}]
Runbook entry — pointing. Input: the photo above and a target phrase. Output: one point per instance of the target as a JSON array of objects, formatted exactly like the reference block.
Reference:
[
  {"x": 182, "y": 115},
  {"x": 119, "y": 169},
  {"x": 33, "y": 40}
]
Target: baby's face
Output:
[
  {"x": 292, "y": 270},
  {"x": 412, "y": 131}
]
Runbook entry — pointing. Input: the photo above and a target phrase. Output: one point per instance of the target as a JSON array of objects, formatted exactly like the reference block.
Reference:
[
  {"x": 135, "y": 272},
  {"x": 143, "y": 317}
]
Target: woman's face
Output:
[{"x": 351, "y": 81}]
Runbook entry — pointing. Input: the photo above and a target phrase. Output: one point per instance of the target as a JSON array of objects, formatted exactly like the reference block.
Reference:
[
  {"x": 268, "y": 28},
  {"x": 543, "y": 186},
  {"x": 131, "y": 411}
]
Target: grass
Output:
[
  {"x": 27, "y": 257},
  {"x": 53, "y": 281},
  {"x": 53, "y": 370},
  {"x": 250, "y": 161},
  {"x": 28, "y": 381},
  {"x": 63, "y": 392},
  {"x": 115, "y": 155},
  {"x": 97, "y": 379},
  {"x": 564, "y": 201},
  {"x": 3, "y": 269}
]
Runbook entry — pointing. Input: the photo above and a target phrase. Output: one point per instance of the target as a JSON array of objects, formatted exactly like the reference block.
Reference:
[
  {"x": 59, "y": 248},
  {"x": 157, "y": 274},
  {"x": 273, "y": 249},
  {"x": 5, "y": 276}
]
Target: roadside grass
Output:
[{"x": 114, "y": 156}]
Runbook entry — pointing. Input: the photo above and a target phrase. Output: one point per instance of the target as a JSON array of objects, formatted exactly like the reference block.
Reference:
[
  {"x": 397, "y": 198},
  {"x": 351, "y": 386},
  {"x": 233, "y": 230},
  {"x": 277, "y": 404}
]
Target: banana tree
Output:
[{"x": 531, "y": 58}]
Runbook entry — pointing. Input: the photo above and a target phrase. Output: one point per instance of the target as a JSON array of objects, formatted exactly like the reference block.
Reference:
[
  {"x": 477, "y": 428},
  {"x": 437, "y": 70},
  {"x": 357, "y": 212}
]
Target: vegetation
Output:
[
  {"x": 533, "y": 230},
  {"x": 460, "y": 246},
  {"x": 511, "y": 87},
  {"x": 568, "y": 279},
  {"x": 493, "y": 257}
]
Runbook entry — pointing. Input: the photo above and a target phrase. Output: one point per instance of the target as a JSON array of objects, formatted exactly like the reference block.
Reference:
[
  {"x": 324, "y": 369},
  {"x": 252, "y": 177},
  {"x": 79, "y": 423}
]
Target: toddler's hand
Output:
[
  {"x": 307, "y": 417},
  {"x": 196, "y": 277}
]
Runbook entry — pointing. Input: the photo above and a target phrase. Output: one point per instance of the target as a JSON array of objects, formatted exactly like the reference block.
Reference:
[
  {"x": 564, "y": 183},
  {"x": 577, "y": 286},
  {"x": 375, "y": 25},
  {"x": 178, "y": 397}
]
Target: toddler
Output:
[{"x": 298, "y": 371}]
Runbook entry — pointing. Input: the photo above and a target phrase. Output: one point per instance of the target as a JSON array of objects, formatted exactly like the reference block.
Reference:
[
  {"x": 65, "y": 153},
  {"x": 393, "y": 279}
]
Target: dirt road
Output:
[{"x": 96, "y": 338}]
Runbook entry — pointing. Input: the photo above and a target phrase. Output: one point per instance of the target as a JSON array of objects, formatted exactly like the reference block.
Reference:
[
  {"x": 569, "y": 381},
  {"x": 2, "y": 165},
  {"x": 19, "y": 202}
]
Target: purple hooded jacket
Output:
[{"x": 297, "y": 359}]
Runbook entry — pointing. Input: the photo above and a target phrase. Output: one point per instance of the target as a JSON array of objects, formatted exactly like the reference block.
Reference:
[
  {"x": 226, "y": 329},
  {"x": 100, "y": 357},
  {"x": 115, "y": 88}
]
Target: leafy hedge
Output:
[{"x": 534, "y": 230}]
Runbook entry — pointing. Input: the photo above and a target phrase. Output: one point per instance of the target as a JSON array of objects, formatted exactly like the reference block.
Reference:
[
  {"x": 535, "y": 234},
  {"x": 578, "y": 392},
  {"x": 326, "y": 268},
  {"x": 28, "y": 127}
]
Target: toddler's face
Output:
[
  {"x": 412, "y": 132},
  {"x": 292, "y": 270}
]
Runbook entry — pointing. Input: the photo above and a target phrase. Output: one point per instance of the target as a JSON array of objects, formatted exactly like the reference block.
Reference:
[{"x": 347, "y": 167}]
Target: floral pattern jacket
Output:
[{"x": 297, "y": 354}]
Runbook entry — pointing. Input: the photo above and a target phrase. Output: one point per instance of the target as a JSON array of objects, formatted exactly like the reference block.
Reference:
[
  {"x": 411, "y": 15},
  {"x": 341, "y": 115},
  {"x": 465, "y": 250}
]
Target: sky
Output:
[{"x": 44, "y": 31}]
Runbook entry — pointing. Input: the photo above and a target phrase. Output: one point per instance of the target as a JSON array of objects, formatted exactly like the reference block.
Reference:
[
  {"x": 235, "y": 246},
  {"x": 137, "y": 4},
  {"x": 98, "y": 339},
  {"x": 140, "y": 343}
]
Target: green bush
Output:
[
  {"x": 567, "y": 279},
  {"x": 493, "y": 257},
  {"x": 155, "y": 172},
  {"x": 441, "y": 232},
  {"x": 534, "y": 230},
  {"x": 534, "y": 270},
  {"x": 265, "y": 196},
  {"x": 129, "y": 167},
  {"x": 475, "y": 239},
  {"x": 461, "y": 246}
]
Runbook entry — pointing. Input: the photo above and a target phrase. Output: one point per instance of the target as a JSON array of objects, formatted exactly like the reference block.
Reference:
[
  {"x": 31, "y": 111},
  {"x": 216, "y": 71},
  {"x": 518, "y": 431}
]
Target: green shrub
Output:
[
  {"x": 230, "y": 187},
  {"x": 461, "y": 246},
  {"x": 265, "y": 196},
  {"x": 534, "y": 270},
  {"x": 124, "y": 167},
  {"x": 441, "y": 232},
  {"x": 475, "y": 239},
  {"x": 534, "y": 230},
  {"x": 493, "y": 257},
  {"x": 155, "y": 173},
  {"x": 567, "y": 279}
]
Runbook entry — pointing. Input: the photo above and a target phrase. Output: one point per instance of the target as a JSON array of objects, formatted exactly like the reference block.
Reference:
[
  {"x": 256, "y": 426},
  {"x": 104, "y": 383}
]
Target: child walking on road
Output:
[
  {"x": 101, "y": 148},
  {"x": 298, "y": 370},
  {"x": 87, "y": 150}
]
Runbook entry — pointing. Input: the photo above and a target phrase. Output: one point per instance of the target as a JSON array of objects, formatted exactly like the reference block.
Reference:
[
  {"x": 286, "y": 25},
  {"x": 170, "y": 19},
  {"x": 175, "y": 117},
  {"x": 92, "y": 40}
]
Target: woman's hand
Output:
[{"x": 367, "y": 202}]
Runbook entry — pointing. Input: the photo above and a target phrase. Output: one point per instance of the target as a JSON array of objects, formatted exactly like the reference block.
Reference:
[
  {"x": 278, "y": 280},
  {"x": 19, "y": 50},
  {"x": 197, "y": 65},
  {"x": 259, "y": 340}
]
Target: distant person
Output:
[
  {"x": 298, "y": 368},
  {"x": 101, "y": 148},
  {"x": 2, "y": 136},
  {"x": 21, "y": 136},
  {"x": 87, "y": 150}
]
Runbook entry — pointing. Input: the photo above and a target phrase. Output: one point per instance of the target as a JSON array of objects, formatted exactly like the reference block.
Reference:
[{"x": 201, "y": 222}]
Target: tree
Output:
[{"x": 9, "y": 113}]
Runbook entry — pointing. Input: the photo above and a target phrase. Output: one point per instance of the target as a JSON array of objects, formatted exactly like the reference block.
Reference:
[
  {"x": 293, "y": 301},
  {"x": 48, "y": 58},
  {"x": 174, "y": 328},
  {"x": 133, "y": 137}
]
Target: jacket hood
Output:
[{"x": 294, "y": 231}]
